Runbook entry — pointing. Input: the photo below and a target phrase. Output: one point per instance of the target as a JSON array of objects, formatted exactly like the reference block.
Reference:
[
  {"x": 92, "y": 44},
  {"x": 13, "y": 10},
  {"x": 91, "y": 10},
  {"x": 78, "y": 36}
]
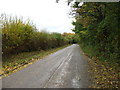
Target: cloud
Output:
[{"x": 44, "y": 13}]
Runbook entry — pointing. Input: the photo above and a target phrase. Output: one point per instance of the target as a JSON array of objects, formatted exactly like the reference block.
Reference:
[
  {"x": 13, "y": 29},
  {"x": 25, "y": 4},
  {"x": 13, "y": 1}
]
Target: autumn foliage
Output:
[
  {"x": 97, "y": 25},
  {"x": 23, "y": 36}
]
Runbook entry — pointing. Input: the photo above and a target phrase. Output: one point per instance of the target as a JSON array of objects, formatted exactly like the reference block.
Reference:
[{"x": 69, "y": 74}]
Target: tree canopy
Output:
[{"x": 97, "y": 24}]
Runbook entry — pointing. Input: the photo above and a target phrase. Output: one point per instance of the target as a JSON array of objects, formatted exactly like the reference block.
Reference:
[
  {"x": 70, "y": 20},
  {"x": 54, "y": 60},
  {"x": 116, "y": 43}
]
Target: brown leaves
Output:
[
  {"x": 13, "y": 67},
  {"x": 103, "y": 75},
  {"x": 22, "y": 60}
]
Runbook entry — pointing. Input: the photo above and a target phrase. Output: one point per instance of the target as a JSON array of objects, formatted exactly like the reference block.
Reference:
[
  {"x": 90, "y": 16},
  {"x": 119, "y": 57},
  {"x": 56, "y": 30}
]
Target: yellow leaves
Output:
[
  {"x": 90, "y": 11},
  {"x": 11, "y": 67},
  {"x": 111, "y": 83},
  {"x": 83, "y": 32},
  {"x": 15, "y": 66},
  {"x": 97, "y": 82},
  {"x": 103, "y": 75}
]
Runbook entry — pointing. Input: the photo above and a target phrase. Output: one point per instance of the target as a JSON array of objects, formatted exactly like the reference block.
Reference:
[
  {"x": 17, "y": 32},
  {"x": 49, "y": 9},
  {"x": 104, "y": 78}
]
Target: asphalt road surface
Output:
[{"x": 66, "y": 68}]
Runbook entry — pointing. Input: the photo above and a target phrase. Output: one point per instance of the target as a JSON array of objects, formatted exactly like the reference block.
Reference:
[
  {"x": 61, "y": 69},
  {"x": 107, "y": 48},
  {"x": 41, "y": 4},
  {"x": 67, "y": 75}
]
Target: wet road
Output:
[{"x": 66, "y": 68}]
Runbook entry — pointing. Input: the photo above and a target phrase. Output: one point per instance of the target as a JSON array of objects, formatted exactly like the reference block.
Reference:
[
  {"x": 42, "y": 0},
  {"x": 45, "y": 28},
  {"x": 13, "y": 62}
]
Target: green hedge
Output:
[{"x": 22, "y": 36}]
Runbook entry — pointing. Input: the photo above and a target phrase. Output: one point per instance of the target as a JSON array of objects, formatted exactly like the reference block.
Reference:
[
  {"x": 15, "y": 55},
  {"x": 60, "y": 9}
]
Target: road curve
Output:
[{"x": 66, "y": 68}]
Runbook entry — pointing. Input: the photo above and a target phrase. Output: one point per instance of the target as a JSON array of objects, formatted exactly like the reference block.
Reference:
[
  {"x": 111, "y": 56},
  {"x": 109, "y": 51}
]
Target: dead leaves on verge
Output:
[
  {"x": 103, "y": 75},
  {"x": 26, "y": 60},
  {"x": 11, "y": 68}
]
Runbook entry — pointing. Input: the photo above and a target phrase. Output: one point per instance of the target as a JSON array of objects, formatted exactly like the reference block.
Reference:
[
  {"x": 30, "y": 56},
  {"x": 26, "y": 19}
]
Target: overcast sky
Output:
[{"x": 46, "y": 14}]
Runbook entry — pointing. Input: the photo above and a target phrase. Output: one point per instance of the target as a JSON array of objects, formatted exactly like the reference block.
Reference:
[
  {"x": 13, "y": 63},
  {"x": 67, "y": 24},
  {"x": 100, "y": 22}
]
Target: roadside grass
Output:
[
  {"x": 105, "y": 74},
  {"x": 93, "y": 53},
  {"x": 22, "y": 60}
]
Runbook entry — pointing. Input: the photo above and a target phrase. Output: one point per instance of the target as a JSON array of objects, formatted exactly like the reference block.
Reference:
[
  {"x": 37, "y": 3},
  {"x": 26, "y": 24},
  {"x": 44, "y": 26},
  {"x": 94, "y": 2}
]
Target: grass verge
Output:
[
  {"x": 104, "y": 75},
  {"x": 22, "y": 60}
]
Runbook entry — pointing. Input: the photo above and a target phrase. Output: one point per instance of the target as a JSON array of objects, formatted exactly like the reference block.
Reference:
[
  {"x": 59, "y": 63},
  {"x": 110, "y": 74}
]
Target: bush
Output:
[{"x": 19, "y": 36}]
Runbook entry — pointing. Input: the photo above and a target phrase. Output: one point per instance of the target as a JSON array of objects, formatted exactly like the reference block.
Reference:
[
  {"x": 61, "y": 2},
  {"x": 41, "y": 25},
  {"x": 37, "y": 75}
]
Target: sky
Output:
[{"x": 46, "y": 14}]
